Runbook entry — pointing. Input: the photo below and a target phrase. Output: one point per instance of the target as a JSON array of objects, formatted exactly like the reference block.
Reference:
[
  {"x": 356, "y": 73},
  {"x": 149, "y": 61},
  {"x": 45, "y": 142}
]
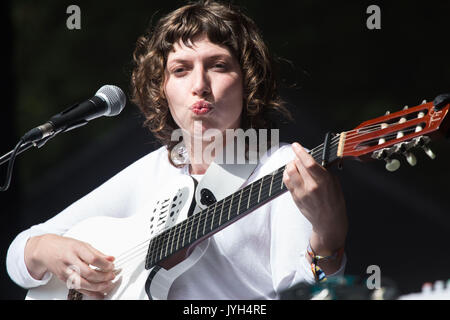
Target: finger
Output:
[
  {"x": 95, "y": 258},
  {"x": 306, "y": 164},
  {"x": 101, "y": 287},
  {"x": 292, "y": 178},
  {"x": 93, "y": 275},
  {"x": 107, "y": 257}
]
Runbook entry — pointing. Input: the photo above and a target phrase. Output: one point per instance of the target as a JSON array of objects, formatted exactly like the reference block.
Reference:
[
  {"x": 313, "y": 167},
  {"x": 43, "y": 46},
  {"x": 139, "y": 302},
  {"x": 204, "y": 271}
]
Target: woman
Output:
[{"x": 204, "y": 67}]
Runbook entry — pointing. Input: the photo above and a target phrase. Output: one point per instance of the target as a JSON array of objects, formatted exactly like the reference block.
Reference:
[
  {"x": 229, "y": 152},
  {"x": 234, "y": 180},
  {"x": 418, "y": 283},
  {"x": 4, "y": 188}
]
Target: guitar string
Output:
[
  {"x": 373, "y": 128},
  {"x": 207, "y": 211},
  {"x": 192, "y": 218},
  {"x": 313, "y": 152},
  {"x": 124, "y": 254},
  {"x": 130, "y": 251},
  {"x": 357, "y": 132},
  {"x": 163, "y": 243},
  {"x": 202, "y": 217},
  {"x": 260, "y": 183},
  {"x": 392, "y": 135},
  {"x": 194, "y": 223}
]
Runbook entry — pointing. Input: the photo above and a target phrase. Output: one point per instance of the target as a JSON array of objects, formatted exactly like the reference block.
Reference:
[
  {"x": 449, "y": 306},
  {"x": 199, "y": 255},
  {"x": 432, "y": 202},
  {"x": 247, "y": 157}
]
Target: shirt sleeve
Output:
[
  {"x": 290, "y": 233},
  {"x": 290, "y": 236}
]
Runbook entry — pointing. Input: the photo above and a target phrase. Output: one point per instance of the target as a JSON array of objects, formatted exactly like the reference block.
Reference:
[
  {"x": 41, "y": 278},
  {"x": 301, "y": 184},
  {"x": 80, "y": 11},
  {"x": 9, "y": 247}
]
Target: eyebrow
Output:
[{"x": 210, "y": 58}]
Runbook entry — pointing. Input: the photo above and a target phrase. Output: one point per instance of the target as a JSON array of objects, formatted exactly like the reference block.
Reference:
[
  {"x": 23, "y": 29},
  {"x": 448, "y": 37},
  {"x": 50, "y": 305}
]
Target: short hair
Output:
[{"x": 223, "y": 24}]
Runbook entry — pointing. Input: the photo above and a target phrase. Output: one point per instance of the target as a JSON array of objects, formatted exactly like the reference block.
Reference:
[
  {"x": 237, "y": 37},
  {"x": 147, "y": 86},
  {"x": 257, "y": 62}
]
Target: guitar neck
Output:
[{"x": 230, "y": 209}]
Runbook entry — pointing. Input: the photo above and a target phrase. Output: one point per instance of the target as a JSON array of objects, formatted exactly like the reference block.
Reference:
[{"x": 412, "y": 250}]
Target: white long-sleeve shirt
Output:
[{"x": 256, "y": 257}]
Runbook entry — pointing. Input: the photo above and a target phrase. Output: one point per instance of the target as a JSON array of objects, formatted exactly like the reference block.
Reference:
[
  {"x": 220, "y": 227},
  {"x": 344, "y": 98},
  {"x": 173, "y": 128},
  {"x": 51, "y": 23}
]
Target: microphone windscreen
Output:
[{"x": 114, "y": 98}]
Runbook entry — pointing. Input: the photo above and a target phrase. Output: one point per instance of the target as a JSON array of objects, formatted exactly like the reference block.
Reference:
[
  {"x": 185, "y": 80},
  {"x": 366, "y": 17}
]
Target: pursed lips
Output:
[{"x": 201, "y": 107}]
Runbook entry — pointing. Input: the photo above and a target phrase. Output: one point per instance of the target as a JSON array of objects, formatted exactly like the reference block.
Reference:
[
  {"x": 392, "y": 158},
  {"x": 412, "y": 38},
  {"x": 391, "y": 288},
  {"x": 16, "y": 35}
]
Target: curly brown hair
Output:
[{"x": 223, "y": 24}]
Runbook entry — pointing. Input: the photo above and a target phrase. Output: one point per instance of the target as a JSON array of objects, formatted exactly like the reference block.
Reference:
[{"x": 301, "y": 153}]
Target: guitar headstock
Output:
[{"x": 398, "y": 133}]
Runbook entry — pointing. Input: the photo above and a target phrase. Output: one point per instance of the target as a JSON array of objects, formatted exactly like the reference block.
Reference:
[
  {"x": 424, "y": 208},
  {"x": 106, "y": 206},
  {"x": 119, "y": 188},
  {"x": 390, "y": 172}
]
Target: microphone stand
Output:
[
  {"x": 11, "y": 156},
  {"x": 41, "y": 142},
  {"x": 6, "y": 157},
  {"x": 22, "y": 146}
]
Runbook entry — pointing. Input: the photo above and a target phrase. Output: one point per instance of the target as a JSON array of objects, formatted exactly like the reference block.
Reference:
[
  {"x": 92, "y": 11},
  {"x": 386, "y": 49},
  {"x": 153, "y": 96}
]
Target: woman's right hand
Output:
[{"x": 62, "y": 255}]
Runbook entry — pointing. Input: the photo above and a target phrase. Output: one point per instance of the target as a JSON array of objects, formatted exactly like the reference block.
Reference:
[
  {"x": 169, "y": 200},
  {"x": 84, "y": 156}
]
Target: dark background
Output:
[{"x": 343, "y": 74}]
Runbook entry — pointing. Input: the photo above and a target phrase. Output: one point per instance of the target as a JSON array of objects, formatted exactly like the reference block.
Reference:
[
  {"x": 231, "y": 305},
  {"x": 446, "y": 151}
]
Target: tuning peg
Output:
[
  {"x": 429, "y": 152},
  {"x": 383, "y": 126},
  {"x": 392, "y": 164},
  {"x": 384, "y": 154},
  {"x": 405, "y": 108},
  {"x": 387, "y": 113},
  {"x": 422, "y": 142},
  {"x": 424, "y": 101},
  {"x": 410, "y": 158}
]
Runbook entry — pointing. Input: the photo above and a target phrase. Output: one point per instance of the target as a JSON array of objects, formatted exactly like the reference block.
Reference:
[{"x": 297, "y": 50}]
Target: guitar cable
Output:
[{"x": 11, "y": 165}]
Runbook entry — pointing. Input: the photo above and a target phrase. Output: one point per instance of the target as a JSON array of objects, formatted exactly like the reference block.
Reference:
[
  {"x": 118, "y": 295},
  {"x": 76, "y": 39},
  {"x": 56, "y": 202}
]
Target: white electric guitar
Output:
[{"x": 171, "y": 234}]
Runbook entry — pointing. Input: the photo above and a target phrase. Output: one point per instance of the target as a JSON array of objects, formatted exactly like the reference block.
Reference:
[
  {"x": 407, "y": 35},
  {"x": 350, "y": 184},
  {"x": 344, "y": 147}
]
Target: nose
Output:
[{"x": 201, "y": 85}]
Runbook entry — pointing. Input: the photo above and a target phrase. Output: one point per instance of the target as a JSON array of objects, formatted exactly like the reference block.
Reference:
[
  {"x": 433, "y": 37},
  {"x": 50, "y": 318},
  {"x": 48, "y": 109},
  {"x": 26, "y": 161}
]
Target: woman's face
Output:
[{"x": 204, "y": 83}]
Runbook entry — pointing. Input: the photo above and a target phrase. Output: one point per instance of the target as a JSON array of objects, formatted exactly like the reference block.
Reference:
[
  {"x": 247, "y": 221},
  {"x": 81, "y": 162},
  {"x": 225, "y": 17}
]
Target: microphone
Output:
[{"x": 108, "y": 101}]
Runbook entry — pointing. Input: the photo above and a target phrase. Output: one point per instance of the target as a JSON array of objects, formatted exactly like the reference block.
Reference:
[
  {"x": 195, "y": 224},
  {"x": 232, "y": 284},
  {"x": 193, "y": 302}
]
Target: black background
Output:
[{"x": 343, "y": 73}]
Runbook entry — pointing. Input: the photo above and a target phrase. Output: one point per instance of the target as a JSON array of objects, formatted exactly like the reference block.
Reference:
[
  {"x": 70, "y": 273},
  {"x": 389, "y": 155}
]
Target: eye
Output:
[
  {"x": 220, "y": 65},
  {"x": 179, "y": 71}
]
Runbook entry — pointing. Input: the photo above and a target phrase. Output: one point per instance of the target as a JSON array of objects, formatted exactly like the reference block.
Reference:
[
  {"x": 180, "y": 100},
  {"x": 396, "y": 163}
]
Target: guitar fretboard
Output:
[{"x": 224, "y": 212}]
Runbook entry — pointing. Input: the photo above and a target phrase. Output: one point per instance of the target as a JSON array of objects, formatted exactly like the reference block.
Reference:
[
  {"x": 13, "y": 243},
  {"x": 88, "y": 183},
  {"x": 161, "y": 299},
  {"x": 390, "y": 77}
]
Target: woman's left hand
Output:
[{"x": 318, "y": 195}]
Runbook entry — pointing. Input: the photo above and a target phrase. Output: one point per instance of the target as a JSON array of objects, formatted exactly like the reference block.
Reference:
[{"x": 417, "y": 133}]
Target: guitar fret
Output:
[
  {"x": 198, "y": 224},
  {"x": 260, "y": 188},
  {"x": 221, "y": 211},
  {"x": 253, "y": 198},
  {"x": 151, "y": 253},
  {"x": 177, "y": 235},
  {"x": 271, "y": 183},
  {"x": 231, "y": 203},
  {"x": 249, "y": 195},
  {"x": 178, "y": 238},
  {"x": 239, "y": 204},
  {"x": 161, "y": 251},
  {"x": 168, "y": 241},
  {"x": 206, "y": 218},
  {"x": 212, "y": 220},
  {"x": 190, "y": 232},
  {"x": 184, "y": 234}
]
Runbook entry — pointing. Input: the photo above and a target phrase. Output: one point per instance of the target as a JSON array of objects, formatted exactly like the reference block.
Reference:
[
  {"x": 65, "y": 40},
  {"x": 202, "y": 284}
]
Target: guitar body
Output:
[{"x": 127, "y": 239}]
